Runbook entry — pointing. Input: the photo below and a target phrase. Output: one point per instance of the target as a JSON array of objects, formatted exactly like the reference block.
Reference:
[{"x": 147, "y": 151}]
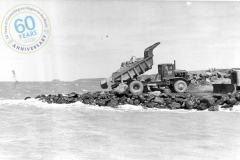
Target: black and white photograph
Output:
[{"x": 119, "y": 80}]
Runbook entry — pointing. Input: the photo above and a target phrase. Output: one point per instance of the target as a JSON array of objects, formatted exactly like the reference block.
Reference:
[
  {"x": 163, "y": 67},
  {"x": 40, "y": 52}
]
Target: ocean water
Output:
[{"x": 31, "y": 129}]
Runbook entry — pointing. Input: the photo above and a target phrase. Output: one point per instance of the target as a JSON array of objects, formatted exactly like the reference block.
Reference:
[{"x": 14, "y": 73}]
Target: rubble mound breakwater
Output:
[{"x": 154, "y": 99}]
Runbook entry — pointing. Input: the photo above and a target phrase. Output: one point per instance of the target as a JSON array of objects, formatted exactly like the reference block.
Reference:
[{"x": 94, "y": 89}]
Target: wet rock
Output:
[
  {"x": 61, "y": 101},
  {"x": 121, "y": 89},
  {"x": 203, "y": 106},
  {"x": 27, "y": 98},
  {"x": 227, "y": 106},
  {"x": 129, "y": 101},
  {"x": 136, "y": 102},
  {"x": 59, "y": 96},
  {"x": 163, "y": 95},
  {"x": 150, "y": 105},
  {"x": 188, "y": 95},
  {"x": 158, "y": 100},
  {"x": 86, "y": 101},
  {"x": 134, "y": 97},
  {"x": 230, "y": 95},
  {"x": 174, "y": 105},
  {"x": 150, "y": 97},
  {"x": 155, "y": 93},
  {"x": 73, "y": 94},
  {"x": 102, "y": 102},
  {"x": 171, "y": 96},
  {"x": 122, "y": 100},
  {"x": 237, "y": 97},
  {"x": 141, "y": 98},
  {"x": 231, "y": 101},
  {"x": 167, "y": 91},
  {"x": 180, "y": 96},
  {"x": 168, "y": 101},
  {"x": 160, "y": 106},
  {"x": 87, "y": 96},
  {"x": 209, "y": 101},
  {"x": 55, "y": 98},
  {"x": 40, "y": 96},
  {"x": 214, "y": 108},
  {"x": 189, "y": 104},
  {"x": 112, "y": 103},
  {"x": 217, "y": 96}
]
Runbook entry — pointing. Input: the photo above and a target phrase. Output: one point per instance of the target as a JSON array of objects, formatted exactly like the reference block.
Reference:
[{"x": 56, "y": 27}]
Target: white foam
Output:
[
  {"x": 130, "y": 107},
  {"x": 84, "y": 90},
  {"x": 32, "y": 102}
]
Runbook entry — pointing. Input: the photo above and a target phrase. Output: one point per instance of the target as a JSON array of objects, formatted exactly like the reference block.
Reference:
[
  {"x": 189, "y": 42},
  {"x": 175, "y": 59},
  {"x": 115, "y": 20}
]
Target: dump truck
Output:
[{"x": 167, "y": 75}]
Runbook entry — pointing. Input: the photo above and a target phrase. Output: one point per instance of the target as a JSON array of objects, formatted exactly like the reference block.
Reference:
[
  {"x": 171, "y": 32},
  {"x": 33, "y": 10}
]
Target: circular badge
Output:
[{"x": 25, "y": 28}]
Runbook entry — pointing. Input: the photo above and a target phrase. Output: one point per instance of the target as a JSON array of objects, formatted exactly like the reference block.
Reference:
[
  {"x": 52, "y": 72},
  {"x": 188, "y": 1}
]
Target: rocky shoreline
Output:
[{"x": 154, "y": 99}]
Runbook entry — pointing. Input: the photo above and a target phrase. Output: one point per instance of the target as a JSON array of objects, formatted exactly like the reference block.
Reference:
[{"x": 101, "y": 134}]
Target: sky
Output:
[{"x": 90, "y": 39}]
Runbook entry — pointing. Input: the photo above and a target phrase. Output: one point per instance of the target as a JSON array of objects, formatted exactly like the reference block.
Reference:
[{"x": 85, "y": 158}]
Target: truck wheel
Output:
[
  {"x": 136, "y": 87},
  {"x": 180, "y": 86}
]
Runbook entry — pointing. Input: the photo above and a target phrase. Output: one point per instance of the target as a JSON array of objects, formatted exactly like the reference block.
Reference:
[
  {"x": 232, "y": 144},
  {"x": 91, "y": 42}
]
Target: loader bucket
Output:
[
  {"x": 223, "y": 88},
  {"x": 103, "y": 84}
]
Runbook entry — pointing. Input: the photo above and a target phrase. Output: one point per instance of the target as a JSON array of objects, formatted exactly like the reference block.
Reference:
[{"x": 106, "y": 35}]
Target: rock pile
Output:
[{"x": 154, "y": 99}]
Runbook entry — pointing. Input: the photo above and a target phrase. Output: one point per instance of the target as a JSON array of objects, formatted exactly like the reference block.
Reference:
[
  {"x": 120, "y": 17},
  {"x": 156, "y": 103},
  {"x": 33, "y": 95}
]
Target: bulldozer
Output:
[{"x": 229, "y": 88}]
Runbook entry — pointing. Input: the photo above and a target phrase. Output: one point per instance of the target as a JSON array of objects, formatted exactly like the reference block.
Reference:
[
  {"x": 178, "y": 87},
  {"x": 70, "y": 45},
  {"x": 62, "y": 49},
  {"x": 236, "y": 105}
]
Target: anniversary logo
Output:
[{"x": 25, "y": 28}]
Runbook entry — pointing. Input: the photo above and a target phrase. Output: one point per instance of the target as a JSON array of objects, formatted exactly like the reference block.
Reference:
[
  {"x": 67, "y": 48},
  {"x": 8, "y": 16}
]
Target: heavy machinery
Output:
[
  {"x": 167, "y": 75},
  {"x": 229, "y": 88}
]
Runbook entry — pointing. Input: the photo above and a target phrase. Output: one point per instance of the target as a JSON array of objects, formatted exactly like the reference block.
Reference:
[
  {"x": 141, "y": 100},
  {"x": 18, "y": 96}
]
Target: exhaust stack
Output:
[{"x": 174, "y": 65}]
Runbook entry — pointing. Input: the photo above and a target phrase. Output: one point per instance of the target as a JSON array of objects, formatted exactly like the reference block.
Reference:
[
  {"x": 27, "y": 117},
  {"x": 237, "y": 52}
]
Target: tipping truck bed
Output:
[{"x": 136, "y": 69}]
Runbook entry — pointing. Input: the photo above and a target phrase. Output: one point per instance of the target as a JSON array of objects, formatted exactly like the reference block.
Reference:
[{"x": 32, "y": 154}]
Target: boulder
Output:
[
  {"x": 112, "y": 103},
  {"x": 227, "y": 106},
  {"x": 217, "y": 96},
  {"x": 141, "y": 98},
  {"x": 203, "y": 106},
  {"x": 150, "y": 104},
  {"x": 155, "y": 93},
  {"x": 158, "y": 100},
  {"x": 129, "y": 101},
  {"x": 61, "y": 101},
  {"x": 189, "y": 104},
  {"x": 178, "y": 100},
  {"x": 163, "y": 95},
  {"x": 167, "y": 90},
  {"x": 150, "y": 97},
  {"x": 160, "y": 106},
  {"x": 237, "y": 97},
  {"x": 210, "y": 101},
  {"x": 136, "y": 102},
  {"x": 121, "y": 89},
  {"x": 168, "y": 101},
  {"x": 214, "y": 108},
  {"x": 73, "y": 94},
  {"x": 122, "y": 100},
  {"x": 231, "y": 101},
  {"x": 86, "y": 101},
  {"x": 174, "y": 105},
  {"x": 102, "y": 102},
  {"x": 60, "y": 95},
  {"x": 27, "y": 98}
]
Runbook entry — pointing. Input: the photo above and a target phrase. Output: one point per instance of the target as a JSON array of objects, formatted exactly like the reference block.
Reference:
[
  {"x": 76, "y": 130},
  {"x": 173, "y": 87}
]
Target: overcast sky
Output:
[{"x": 90, "y": 39}]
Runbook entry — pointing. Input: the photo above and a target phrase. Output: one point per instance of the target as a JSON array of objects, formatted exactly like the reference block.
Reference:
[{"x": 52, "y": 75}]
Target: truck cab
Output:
[{"x": 168, "y": 71}]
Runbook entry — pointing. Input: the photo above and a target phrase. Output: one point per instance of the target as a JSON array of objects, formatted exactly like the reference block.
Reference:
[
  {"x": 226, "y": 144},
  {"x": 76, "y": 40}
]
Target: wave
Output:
[{"x": 122, "y": 108}]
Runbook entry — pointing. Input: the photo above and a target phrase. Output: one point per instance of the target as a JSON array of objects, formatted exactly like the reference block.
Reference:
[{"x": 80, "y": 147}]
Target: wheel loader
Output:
[{"x": 229, "y": 88}]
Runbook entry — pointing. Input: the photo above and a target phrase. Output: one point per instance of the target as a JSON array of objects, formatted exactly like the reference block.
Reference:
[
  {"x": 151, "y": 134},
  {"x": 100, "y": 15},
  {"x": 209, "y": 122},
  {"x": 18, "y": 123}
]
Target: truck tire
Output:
[
  {"x": 136, "y": 87},
  {"x": 180, "y": 86}
]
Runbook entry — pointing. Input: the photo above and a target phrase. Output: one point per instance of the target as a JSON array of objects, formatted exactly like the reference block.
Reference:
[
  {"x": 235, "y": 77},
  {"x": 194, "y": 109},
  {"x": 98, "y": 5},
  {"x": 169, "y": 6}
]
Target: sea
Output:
[{"x": 34, "y": 130}]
